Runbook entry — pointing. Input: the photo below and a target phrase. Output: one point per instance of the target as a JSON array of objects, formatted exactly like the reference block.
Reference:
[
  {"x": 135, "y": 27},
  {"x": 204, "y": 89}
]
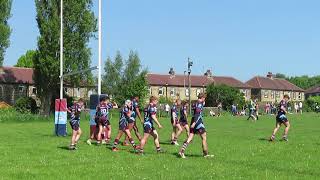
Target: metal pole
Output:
[
  {"x": 189, "y": 79},
  {"x": 99, "y": 64},
  {"x": 61, "y": 49}
]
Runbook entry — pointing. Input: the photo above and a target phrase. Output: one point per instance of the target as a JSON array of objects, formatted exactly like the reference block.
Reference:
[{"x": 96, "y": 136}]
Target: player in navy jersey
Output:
[
  {"x": 282, "y": 119},
  {"x": 184, "y": 117},
  {"x": 176, "y": 128},
  {"x": 125, "y": 116},
  {"x": 150, "y": 116},
  {"x": 103, "y": 118},
  {"x": 197, "y": 127},
  {"x": 75, "y": 112},
  {"x": 132, "y": 121}
]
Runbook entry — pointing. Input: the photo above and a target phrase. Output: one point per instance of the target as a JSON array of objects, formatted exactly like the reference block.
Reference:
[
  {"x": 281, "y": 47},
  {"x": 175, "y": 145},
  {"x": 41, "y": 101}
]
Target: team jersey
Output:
[
  {"x": 183, "y": 112},
  {"x": 124, "y": 113},
  {"x": 134, "y": 106},
  {"x": 75, "y": 111},
  {"x": 197, "y": 111},
  {"x": 148, "y": 112},
  {"x": 103, "y": 109},
  {"x": 283, "y": 104},
  {"x": 174, "y": 112}
]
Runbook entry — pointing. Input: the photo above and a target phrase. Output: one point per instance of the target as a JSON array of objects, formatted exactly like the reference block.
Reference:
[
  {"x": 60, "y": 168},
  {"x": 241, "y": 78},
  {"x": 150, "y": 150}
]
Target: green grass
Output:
[{"x": 29, "y": 150}]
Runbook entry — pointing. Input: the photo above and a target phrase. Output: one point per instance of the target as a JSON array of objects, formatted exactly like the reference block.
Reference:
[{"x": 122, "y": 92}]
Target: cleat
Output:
[
  {"x": 89, "y": 142},
  {"x": 182, "y": 155},
  {"x": 125, "y": 144},
  {"x": 208, "y": 156},
  {"x": 103, "y": 142},
  {"x": 176, "y": 143},
  {"x": 272, "y": 138},
  {"x": 161, "y": 151},
  {"x": 285, "y": 138},
  {"x": 115, "y": 149},
  {"x": 72, "y": 147}
]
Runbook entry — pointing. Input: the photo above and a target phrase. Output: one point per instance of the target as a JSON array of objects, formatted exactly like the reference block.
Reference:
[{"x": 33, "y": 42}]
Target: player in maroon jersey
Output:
[{"x": 75, "y": 112}]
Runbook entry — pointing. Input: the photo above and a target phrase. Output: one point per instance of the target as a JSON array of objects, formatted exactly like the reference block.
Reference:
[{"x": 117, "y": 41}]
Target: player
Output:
[
  {"x": 176, "y": 128},
  {"x": 252, "y": 111},
  {"x": 197, "y": 127},
  {"x": 103, "y": 118},
  {"x": 150, "y": 116},
  {"x": 184, "y": 117},
  {"x": 282, "y": 119},
  {"x": 132, "y": 121},
  {"x": 75, "y": 112},
  {"x": 125, "y": 116}
]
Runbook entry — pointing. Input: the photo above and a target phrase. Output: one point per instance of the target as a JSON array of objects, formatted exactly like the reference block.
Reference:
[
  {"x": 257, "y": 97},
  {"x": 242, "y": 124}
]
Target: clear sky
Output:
[{"x": 239, "y": 38}]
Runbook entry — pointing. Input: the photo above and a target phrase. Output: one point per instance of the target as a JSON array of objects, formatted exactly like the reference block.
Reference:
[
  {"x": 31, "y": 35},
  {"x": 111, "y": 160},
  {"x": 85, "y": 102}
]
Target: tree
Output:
[
  {"x": 125, "y": 80},
  {"x": 280, "y": 75},
  {"x": 5, "y": 31},
  {"x": 79, "y": 27},
  {"x": 225, "y": 94},
  {"x": 26, "y": 60}
]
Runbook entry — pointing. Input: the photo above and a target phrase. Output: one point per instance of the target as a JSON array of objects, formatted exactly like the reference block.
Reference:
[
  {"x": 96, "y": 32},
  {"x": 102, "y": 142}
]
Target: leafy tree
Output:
[
  {"x": 280, "y": 75},
  {"x": 5, "y": 31},
  {"x": 225, "y": 94},
  {"x": 124, "y": 80},
  {"x": 79, "y": 27},
  {"x": 26, "y": 60}
]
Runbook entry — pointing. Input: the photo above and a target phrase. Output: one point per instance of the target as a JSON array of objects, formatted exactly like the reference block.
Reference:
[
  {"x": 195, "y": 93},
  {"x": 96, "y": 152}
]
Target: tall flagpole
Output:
[
  {"x": 99, "y": 64},
  {"x": 61, "y": 49}
]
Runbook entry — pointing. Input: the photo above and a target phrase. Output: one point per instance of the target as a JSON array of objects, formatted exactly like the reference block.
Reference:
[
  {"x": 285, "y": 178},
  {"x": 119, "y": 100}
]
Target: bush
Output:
[
  {"x": 311, "y": 103},
  {"x": 26, "y": 105}
]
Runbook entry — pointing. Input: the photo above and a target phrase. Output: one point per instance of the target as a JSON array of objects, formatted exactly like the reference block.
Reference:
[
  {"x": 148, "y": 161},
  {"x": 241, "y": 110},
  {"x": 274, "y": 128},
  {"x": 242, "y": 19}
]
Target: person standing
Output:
[{"x": 300, "y": 107}]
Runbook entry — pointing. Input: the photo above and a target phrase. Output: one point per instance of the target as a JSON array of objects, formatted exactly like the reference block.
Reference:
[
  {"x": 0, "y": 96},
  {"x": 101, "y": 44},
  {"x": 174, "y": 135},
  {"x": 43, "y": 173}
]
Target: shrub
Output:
[{"x": 26, "y": 105}]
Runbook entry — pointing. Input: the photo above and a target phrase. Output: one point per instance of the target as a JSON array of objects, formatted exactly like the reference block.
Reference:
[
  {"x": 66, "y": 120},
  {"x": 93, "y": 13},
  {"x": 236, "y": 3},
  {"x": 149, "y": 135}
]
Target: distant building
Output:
[
  {"x": 16, "y": 82},
  {"x": 314, "y": 91},
  {"x": 175, "y": 86},
  {"x": 270, "y": 89}
]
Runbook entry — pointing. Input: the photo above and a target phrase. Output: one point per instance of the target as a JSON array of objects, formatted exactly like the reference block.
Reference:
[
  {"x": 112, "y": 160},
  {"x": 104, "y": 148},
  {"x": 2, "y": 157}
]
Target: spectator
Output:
[
  {"x": 267, "y": 108},
  {"x": 317, "y": 108},
  {"x": 296, "y": 107},
  {"x": 234, "y": 110},
  {"x": 300, "y": 107},
  {"x": 212, "y": 113},
  {"x": 219, "y": 109},
  {"x": 167, "y": 109}
]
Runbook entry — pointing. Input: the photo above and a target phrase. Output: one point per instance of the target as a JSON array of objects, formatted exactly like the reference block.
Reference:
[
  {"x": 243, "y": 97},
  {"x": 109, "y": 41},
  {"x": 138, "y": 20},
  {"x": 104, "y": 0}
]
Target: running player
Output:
[
  {"x": 125, "y": 116},
  {"x": 75, "y": 112},
  {"x": 252, "y": 110},
  {"x": 282, "y": 119},
  {"x": 103, "y": 115},
  {"x": 176, "y": 128},
  {"x": 132, "y": 121},
  {"x": 184, "y": 117},
  {"x": 150, "y": 116},
  {"x": 197, "y": 127}
]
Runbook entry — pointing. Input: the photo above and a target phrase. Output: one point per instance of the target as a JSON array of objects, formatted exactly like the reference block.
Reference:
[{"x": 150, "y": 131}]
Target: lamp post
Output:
[{"x": 190, "y": 63}]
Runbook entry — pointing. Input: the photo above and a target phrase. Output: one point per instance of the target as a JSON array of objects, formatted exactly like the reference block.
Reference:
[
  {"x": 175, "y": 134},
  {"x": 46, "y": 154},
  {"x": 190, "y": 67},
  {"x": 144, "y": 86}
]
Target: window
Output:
[
  {"x": 78, "y": 92},
  {"x": 278, "y": 94},
  {"x": 266, "y": 94},
  {"x": 294, "y": 95},
  {"x": 198, "y": 91},
  {"x": 172, "y": 92},
  {"x": 90, "y": 93},
  {"x": 300, "y": 95},
  {"x": 65, "y": 90},
  {"x": 160, "y": 92},
  {"x": 187, "y": 92},
  {"x": 34, "y": 90},
  {"x": 272, "y": 94},
  {"x": 21, "y": 89},
  {"x": 150, "y": 91}
]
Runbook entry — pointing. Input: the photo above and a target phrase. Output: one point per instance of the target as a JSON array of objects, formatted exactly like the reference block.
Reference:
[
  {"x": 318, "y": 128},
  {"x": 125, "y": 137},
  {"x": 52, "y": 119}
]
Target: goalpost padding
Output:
[{"x": 60, "y": 117}]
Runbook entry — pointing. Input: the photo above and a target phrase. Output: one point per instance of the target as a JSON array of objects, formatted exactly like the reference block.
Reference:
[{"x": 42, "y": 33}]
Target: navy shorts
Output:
[
  {"x": 199, "y": 127},
  {"x": 123, "y": 125},
  {"x": 174, "y": 123},
  {"x": 148, "y": 127},
  {"x": 281, "y": 118},
  {"x": 131, "y": 120},
  {"x": 75, "y": 124},
  {"x": 104, "y": 121},
  {"x": 183, "y": 122}
]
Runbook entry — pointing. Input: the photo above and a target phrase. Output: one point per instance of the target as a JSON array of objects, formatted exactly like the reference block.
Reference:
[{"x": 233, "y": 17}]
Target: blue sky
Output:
[{"x": 239, "y": 38}]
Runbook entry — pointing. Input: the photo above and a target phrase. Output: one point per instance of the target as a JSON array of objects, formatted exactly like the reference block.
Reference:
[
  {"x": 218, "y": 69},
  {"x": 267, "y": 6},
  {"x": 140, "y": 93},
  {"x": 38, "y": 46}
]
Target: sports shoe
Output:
[
  {"x": 72, "y": 147},
  {"x": 272, "y": 138},
  {"x": 181, "y": 154},
  {"x": 103, "y": 142},
  {"x": 115, "y": 149},
  {"x": 285, "y": 138},
  {"x": 89, "y": 142},
  {"x": 161, "y": 151},
  {"x": 208, "y": 156},
  {"x": 176, "y": 143}
]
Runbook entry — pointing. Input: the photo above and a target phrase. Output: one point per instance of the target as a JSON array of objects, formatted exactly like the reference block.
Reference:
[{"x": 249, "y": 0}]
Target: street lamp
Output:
[{"x": 190, "y": 63}]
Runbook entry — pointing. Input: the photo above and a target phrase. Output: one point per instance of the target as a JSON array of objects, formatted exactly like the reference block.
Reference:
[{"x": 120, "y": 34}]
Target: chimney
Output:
[
  {"x": 171, "y": 72},
  {"x": 270, "y": 75},
  {"x": 208, "y": 73}
]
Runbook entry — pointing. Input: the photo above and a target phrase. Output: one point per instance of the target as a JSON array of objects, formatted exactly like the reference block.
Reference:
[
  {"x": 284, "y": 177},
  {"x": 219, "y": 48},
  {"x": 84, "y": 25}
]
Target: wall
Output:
[
  {"x": 10, "y": 93},
  {"x": 277, "y": 96}
]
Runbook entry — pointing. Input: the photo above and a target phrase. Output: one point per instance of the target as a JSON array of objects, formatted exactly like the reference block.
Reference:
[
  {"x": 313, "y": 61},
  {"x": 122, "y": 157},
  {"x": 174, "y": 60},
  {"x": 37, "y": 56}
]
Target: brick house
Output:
[
  {"x": 314, "y": 91},
  {"x": 270, "y": 89},
  {"x": 175, "y": 86},
  {"x": 16, "y": 82}
]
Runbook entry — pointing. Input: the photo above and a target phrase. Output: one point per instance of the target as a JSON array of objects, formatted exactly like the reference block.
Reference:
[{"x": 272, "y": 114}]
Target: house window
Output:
[
  {"x": 150, "y": 91},
  {"x": 21, "y": 89},
  {"x": 160, "y": 92},
  {"x": 198, "y": 91},
  {"x": 300, "y": 96},
  {"x": 172, "y": 92},
  {"x": 278, "y": 94},
  {"x": 187, "y": 92},
  {"x": 65, "y": 90},
  {"x": 34, "y": 90},
  {"x": 272, "y": 94},
  {"x": 294, "y": 95},
  {"x": 266, "y": 94},
  {"x": 78, "y": 94}
]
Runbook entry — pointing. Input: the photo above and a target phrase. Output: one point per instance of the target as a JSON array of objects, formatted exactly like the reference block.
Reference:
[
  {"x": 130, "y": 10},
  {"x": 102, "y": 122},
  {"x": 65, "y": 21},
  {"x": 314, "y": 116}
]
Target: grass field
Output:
[{"x": 29, "y": 150}]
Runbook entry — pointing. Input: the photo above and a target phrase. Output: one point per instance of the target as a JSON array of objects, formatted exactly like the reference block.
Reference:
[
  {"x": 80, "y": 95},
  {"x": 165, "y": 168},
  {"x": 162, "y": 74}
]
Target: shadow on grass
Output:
[
  {"x": 165, "y": 143},
  {"x": 64, "y": 148},
  {"x": 187, "y": 155},
  {"x": 264, "y": 139}
]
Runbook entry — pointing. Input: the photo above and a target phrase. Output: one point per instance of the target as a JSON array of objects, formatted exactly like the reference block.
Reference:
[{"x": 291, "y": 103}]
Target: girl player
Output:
[
  {"x": 125, "y": 116},
  {"x": 103, "y": 117},
  {"x": 150, "y": 116},
  {"x": 197, "y": 127},
  {"x": 75, "y": 111},
  {"x": 176, "y": 128},
  {"x": 184, "y": 117}
]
